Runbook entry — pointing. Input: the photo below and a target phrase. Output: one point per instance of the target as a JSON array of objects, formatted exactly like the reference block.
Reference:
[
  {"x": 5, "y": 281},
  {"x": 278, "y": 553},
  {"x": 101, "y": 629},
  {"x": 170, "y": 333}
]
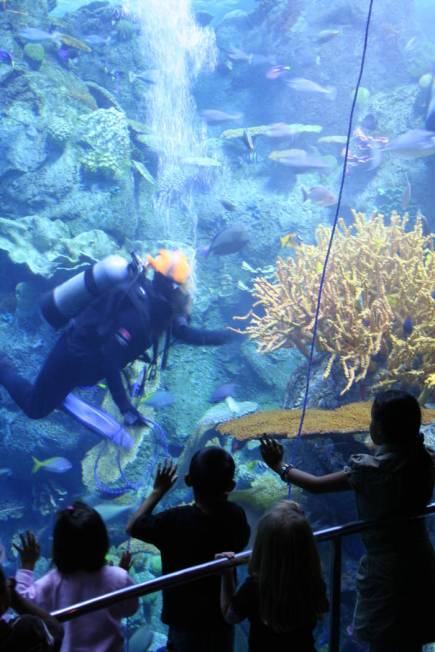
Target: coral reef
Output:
[
  {"x": 350, "y": 418},
  {"x": 46, "y": 246},
  {"x": 377, "y": 300},
  {"x": 265, "y": 490},
  {"x": 11, "y": 508},
  {"x": 35, "y": 53},
  {"x": 107, "y": 142}
]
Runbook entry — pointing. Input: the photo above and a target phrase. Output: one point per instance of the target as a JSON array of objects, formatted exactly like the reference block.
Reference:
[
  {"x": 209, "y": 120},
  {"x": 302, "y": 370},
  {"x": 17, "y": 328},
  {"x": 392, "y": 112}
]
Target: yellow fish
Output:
[{"x": 290, "y": 240}]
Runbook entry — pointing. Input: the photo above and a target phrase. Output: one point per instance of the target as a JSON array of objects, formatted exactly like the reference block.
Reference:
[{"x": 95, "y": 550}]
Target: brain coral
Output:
[{"x": 105, "y": 141}]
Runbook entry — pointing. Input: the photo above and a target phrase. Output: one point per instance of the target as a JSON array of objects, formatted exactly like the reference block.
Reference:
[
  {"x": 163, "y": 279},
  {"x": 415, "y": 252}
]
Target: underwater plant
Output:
[{"x": 377, "y": 306}]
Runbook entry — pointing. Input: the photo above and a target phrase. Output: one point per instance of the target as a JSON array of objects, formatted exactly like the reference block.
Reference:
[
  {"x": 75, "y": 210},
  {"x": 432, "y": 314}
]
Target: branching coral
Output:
[{"x": 377, "y": 300}]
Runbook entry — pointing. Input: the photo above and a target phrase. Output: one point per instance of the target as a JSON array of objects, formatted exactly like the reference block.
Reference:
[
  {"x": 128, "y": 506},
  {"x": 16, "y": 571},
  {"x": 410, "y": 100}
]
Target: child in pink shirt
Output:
[{"x": 80, "y": 545}]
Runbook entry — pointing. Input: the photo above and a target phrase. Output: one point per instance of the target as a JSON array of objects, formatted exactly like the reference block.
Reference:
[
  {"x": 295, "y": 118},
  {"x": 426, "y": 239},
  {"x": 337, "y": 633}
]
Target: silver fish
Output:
[
  {"x": 413, "y": 144},
  {"x": 307, "y": 86},
  {"x": 215, "y": 116}
]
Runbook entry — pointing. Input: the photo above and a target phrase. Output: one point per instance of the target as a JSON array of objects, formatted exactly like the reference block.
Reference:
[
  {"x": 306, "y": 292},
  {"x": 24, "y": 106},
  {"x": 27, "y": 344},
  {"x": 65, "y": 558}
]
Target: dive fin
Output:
[{"x": 98, "y": 421}]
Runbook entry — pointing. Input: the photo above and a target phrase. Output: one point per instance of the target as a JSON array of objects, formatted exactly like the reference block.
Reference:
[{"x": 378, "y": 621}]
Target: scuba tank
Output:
[{"x": 68, "y": 299}]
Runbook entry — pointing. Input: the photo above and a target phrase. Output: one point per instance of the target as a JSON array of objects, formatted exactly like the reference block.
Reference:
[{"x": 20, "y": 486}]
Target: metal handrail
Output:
[{"x": 185, "y": 575}]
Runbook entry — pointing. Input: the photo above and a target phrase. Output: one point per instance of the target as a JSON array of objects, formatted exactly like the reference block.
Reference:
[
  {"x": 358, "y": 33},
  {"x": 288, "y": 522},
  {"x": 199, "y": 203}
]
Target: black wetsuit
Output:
[{"x": 110, "y": 333}]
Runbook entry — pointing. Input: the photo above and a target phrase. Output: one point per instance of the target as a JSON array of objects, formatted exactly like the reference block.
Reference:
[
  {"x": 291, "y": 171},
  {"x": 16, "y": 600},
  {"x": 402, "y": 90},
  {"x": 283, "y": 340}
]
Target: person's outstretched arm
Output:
[
  {"x": 273, "y": 454},
  {"x": 166, "y": 477},
  {"x": 198, "y": 336}
]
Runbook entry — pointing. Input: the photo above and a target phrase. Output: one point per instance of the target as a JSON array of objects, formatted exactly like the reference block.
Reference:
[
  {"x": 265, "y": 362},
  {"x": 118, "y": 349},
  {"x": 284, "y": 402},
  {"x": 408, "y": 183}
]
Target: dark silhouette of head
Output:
[
  {"x": 80, "y": 539},
  {"x": 396, "y": 418},
  {"x": 286, "y": 564},
  {"x": 5, "y": 594},
  {"x": 211, "y": 474}
]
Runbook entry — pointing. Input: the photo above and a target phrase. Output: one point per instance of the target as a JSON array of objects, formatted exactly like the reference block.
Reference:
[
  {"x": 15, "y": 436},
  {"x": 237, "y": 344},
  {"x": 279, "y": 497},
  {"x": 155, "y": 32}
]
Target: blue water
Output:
[{"x": 218, "y": 128}]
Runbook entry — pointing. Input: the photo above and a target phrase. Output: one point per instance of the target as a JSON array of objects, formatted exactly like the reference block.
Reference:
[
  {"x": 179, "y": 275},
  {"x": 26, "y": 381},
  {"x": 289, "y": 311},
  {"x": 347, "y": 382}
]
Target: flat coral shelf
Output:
[{"x": 350, "y": 418}]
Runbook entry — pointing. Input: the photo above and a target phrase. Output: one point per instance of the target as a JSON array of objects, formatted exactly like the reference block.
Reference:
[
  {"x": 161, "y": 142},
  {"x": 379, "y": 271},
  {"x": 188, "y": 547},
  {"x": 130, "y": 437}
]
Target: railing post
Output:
[{"x": 335, "y": 584}]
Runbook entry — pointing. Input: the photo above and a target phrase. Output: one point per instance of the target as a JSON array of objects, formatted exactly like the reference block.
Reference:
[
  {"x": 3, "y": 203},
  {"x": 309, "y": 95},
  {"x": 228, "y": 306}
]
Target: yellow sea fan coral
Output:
[
  {"x": 379, "y": 276},
  {"x": 350, "y": 418}
]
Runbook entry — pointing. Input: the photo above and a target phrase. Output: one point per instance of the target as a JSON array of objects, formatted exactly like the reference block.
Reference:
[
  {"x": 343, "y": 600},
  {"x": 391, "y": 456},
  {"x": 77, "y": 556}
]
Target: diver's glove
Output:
[{"x": 134, "y": 418}]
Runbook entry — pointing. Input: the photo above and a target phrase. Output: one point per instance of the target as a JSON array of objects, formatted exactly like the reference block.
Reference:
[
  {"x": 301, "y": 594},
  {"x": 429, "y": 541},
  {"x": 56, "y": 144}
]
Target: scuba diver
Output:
[{"x": 114, "y": 313}]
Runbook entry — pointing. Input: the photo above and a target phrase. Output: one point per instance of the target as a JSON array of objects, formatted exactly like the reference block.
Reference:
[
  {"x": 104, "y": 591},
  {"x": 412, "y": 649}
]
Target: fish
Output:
[
  {"x": 411, "y": 44},
  {"x": 6, "y": 57},
  {"x": 96, "y": 39},
  {"x": 160, "y": 399},
  {"x": 298, "y": 158},
  {"x": 222, "y": 392},
  {"x": 415, "y": 143},
  {"x": 275, "y": 72},
  {"x": 303, "y": 85},
  {"x": 425, "y": 80},
  {"x": 407, "y": 327},
  {"x": 203, "y": 18},
  {"x": 5, "y": 472},
  {"x": 236, "y": 54},
  {"x": 319, "y": 195},
  {"x": 326, "y": 35},
  {"x": 333, "y": 140},
  {"x": 234, "y": 14},
  {"x": 230, "y": 240},
  {"x": 148, "y": 77},
  {"x": 248, "y": 140},
  {"x": 290, "y": 240},
  {"x": 64, "y": 53},
  {"x": 52, "y": 464},
  {"x": 228, "y": 205},
  {"x": 406, "y": 197},
  {"x": 280, "y": 130},
  {"x": 216, "y": 117},
  {"x": 36, "y": 35}
]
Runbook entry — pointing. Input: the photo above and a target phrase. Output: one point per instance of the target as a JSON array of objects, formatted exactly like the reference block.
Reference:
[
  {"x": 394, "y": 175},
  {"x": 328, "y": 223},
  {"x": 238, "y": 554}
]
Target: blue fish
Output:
[
  {"x": 36, "y": 35},
  {"x": 6, "y": 57},
  {"x": 407, "y": 327},
  {"x": 52, "y": 464},
  {"x": 160, "y": 399},
  {"x": 222, "y": 392},
  {"x": 5, "y": 472}
]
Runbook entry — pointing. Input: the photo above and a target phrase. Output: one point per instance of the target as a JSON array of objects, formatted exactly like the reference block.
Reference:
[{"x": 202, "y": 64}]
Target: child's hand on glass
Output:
[
  {"x": 166, "y": 476},
  {"x": 272, "y": 452},
  {"x": 29, "y": 550},
  {"x": 225, "y": 555}
]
